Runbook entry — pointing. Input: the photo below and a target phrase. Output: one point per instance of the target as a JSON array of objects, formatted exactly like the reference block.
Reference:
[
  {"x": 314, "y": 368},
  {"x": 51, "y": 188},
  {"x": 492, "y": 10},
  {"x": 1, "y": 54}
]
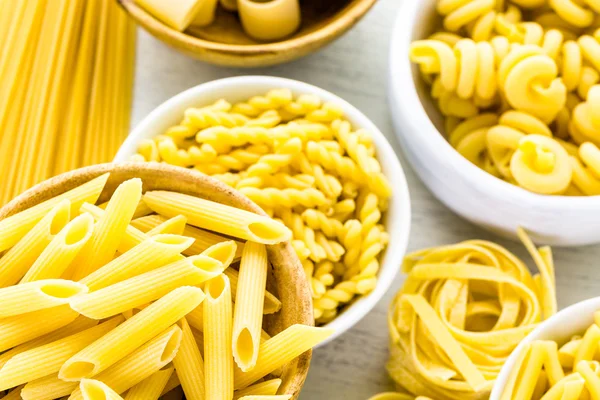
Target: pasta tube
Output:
[
  {"x": 151, "y": 387},
  {"x": 34, "y": 296},
  {"x": 175, "y": 225},
  {"x": 266, "y": 388},
  {"x": 48, "y": 388},
  {"x": 218, "y": 363},
  {"x": 131, "y": 334},
  {"x": 189, "y": 365},
  {"x": 152, "y": 253},
  {"x": 281, "y": 349},
  {"x": 15, "y": 227},
  {"x": 62, "y": 250},
  {"x": 109, "y": 230},
  {"x": 47, "y": 359},
  {"x": 270, "y": 20},
  {"x": 15, "y": 263},
  {"x": 92, "y": 389},
  {"x": 272, "y": 303},
  {"x": 248, "y": 314},
  {"x": 142, "y": 289},
  {"x": 217, "y": 217},
  {"x": 22, "y": 328},
  {"x": 178, "y": 15},
  {"x": 140, "y": 364},
  {"x": 224, "y": 252}
]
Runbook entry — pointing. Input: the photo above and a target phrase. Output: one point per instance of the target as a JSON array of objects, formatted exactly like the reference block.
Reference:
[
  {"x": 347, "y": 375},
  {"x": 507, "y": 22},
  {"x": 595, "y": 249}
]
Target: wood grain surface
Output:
[{"x": 355, "y": 67}]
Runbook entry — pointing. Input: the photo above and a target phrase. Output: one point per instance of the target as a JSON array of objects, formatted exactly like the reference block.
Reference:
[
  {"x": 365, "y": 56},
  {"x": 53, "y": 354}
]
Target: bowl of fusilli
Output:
[
  {"x": 308, "y": 159},
  {"x": 495, "y": 105}
]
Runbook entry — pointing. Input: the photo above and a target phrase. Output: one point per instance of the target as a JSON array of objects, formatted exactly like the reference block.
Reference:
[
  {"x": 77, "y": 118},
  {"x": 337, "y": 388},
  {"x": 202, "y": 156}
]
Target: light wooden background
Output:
[{"x": 356, "y": 68}]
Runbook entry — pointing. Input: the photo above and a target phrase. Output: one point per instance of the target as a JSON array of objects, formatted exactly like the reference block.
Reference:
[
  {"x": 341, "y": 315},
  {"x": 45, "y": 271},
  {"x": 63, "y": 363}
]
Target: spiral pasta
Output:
[
  {"x": 306, "y": 166},
  {"x": 502, "y": 73},
  {"x": 462, "y": 310}
]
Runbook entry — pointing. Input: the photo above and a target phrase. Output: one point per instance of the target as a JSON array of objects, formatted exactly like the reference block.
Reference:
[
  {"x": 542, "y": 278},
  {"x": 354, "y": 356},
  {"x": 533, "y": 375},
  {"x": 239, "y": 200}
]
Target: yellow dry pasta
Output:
[
  {"x": 151, "y": 387},
  {"x": 305, "y": 165},
  {"x": 189, "y": 365},
  {"x": 266, "y": 388},
  {"x": 461, "y": 312},
  {"x": 92, "y": 389}
]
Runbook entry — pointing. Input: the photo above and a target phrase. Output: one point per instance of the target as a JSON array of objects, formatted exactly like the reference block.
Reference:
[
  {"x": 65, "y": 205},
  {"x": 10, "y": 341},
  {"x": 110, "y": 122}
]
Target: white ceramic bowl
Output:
[
  {"x": 560, "y": 327},
  {"x": 397, "y": 219},
  {"x": 467, "y": 190}
]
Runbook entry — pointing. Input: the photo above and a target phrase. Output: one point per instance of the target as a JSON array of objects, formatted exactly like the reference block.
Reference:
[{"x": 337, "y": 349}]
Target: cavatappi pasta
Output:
[
  {"x": 67, "y": 73},
  {"x": 461, "y": 312},
  {"x": 304, "y": 164},
  {"x": 518, "y": 85},
  {"x": 112, "y": 322},
  {"x": 550, "y": 370}
]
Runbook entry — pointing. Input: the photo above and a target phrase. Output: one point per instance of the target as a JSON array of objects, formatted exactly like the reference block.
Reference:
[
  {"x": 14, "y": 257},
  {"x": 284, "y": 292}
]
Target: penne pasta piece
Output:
[
  {"x": 175, "y": 225},
  {"x": 223, "y": 252},
  {"x": 62, "y": 250},
  {"x": 266, "y": 388},
  {"x": 144, "y": 288},
  {"x": 588, "y": 346},
  {"x": 189, "y": 365},
  {"x": 267, "y": 397},
  {"x": 109, "y": 230},
  {"x": 22, "y": 328},
  {"x": 131, "y": 334},
  {"x": 281, "y": 349},
  {"x": 272, "y": 303},
  {"x": 141, "y": 210},
  {"x": 152, "y": 253},
  {"x": 171, "y": 384},
  {"x": 218, "y": 358},
  {"x": 39, "y": 295},
  {"x": 248, "y": 313},
  {"x": 92, "y": 389},
  {"x": 217, "y": 217},
  {"x": 79, "y": 324},
  {"x": 151, "y": 387},
  {"x": 132, "y": 236},
  {"x": 140, "y": 364},
  {"x": 47, "y": 359},
  {"x": 48, "y": 388},
  {"x": 15, "y": 263},
  {"x": 15, "y": 227}
]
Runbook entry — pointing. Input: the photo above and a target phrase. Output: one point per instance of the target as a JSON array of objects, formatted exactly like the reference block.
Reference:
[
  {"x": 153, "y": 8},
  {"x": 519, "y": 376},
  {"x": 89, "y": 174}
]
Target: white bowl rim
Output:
[
  {"x": 398, "y": 239},
  {"x": 401, "y": 82},
  {"x": 557, "y": 319}
]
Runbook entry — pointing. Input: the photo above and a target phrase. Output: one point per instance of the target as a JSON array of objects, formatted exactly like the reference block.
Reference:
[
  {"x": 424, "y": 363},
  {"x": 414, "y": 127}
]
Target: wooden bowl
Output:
[
  {"x": 225, "y": 43},
  {"x": 289, "y": 280}
]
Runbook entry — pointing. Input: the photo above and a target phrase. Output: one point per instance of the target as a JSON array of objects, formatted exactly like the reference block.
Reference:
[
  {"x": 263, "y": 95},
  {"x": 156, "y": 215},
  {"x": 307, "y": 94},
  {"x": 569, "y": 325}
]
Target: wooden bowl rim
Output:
[
  {"x": 281, "y": 255},
  {"x": 345, "y": 20}
]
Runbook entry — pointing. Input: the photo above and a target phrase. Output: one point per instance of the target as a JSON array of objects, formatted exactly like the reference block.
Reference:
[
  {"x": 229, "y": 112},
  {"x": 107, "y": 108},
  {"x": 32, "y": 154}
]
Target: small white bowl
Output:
[
  {"x": 397, "y": 218},
  {"x": 560, "y": 327},
  {"x": 467, "y": 190}
]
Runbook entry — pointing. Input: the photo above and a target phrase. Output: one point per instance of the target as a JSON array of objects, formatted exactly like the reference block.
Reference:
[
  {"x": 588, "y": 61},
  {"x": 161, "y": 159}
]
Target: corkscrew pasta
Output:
[
  {"x": 112, "y": 327},
  {"x": 461, "y": 312},
  {"x": 305, "y": 165},
  {"x": 503, "y": 72}
]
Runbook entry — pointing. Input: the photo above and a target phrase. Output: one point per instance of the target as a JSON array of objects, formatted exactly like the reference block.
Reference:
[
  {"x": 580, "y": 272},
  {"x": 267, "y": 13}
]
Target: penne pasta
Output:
[
  {"x": 15, "y": 227},
  {"x": 152, "y": 253},
  {"x": 175, "y": 225},
  {"x": 48, "y": 388},
  {"x": 144, "y": 288},
  {"x": 15, "y": 263},
  {"x": 22, "y": 328},
  {"x": 140, "y": 364},
  {"x": 131, "y": 334},
  {"x": 171, "y": 384},
  {"x": 224, "y": 252},
  {"x": 189, "y": 365},
  {"x": 281, "y": 349},
  {"x": 266, "y": 388},
  {"x": 248, "y": 313},
  {"x": 141, "y": 210},
  {"x": 217, "y": 217},
  {"x": 39, "y": 295},
  {"x": 151, "y": 387},
  {"x": 272, "y": 303},
  {"x": 109, "y": 230},
  {"x": 47, "y": 359},
  {"x": 79, "y": 324},
  {"x": 62, "y": 250},
  {"x": 92, "y": 389},
  {"x": 218, "y": 358}
]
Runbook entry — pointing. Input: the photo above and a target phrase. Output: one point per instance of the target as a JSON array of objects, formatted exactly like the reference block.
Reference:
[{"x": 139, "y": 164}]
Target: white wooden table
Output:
[{"x": 356, "y": 68}]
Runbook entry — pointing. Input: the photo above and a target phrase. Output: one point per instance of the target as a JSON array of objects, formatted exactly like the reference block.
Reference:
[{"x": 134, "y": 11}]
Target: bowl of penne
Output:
[
  {"x": 129, "y": 278},
  {"x": 310, "y": 160},
  {"x": 558, "y": 358}
]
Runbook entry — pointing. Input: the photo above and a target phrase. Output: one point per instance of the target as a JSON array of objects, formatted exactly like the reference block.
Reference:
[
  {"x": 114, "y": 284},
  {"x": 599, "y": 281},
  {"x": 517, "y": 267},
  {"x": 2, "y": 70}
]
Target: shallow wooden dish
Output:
[
  {"x": 289, "y": 281},
  {"x": 225, "y": 43}
]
